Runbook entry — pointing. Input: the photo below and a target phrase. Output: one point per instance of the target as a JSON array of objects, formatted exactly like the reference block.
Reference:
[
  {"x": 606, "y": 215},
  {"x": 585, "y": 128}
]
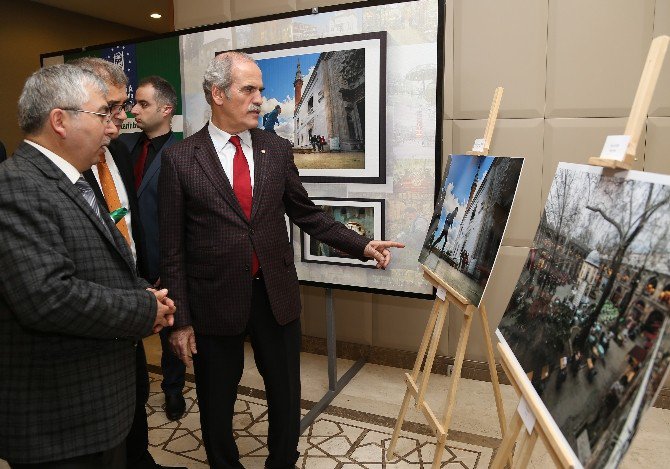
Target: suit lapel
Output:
[
  {"x": 260, "y": 168},
  {"x": 155, "y": 165},
  {"x": 65, "y": 185},
  {"x": 206, "y": 156}
]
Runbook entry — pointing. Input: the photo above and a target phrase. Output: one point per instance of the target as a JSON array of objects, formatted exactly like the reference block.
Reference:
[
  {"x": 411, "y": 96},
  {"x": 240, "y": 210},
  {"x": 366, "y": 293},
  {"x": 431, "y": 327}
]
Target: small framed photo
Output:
[{"x": 365, "y": 216}]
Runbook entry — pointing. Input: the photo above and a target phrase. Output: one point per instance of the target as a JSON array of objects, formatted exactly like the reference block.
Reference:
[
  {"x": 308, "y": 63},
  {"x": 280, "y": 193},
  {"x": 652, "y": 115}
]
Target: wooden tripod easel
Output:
[
  {"x": 558, "y": 448},
  {"x": 431, "y": 337},
  {"x": 544, "y": 428}
]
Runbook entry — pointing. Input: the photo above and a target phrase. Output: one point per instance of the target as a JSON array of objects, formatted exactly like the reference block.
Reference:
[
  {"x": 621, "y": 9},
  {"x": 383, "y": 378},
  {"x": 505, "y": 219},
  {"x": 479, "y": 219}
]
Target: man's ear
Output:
[
  {"x": 57, "y": 121},
  {"x": 218, "y": 95},
  {"x": 167, "y": 110}
]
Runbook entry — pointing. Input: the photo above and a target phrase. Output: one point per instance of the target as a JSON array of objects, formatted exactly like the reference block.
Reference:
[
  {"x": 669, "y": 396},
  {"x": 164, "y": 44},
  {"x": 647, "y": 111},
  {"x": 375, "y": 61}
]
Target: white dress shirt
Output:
[
  {"x": 225, "y": 150},
  {"x": 70, "y": 171}
]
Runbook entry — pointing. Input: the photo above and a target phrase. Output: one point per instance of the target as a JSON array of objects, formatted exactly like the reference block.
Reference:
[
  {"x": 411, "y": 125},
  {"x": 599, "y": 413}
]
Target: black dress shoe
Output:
[{"x": 175, "y": 406}]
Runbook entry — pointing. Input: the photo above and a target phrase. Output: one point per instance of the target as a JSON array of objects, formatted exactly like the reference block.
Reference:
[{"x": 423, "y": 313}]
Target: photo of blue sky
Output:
[
  {"x": 278, "y": 78},
  {"x": 462, "y": 172}
]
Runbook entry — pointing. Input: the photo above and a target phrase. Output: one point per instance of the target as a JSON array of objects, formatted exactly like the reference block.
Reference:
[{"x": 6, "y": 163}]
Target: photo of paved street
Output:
[
  {"x": 588, "y": 320},
  {"x": 307, "y": 159}
]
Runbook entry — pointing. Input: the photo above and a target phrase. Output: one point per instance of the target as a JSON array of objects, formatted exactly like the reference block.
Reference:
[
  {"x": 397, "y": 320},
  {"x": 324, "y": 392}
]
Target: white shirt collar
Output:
[
  {"x": 220, "y": 137},
  {"x": 70, "y": 171}
]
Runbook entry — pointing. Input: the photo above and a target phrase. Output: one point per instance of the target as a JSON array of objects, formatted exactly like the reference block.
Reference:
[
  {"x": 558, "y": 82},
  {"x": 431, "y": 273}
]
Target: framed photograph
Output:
[
  {"x": 328, "y": 98},
  {"x": 365, "y": 216},
  {"x": 589, "y": 320},
  {"x": 469, "y": 221}
]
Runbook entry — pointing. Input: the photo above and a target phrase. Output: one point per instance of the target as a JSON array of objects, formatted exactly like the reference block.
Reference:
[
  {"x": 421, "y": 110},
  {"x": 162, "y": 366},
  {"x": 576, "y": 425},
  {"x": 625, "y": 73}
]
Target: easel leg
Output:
[
  {"x": 427, "y": 336},
  {"x": 455, "y": 378},
  {"x": 505, "y": 449},
  {"x": 497, "y": 394},
  {"x": 526, "y": 450},
  {"x": 435, "y": 340}
]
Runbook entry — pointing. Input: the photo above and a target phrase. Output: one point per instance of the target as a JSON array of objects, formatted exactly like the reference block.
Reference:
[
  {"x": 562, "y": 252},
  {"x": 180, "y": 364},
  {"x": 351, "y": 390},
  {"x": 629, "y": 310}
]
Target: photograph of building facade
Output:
[
  {"x": 469, "y": 221},
  {"x": 332, "y": 103},
  {"x": 589, "y": 316}
]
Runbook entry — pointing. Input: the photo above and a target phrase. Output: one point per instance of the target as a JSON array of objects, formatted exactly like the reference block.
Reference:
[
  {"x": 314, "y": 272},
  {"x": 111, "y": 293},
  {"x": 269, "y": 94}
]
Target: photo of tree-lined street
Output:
[{"x": 588, "y": 319}]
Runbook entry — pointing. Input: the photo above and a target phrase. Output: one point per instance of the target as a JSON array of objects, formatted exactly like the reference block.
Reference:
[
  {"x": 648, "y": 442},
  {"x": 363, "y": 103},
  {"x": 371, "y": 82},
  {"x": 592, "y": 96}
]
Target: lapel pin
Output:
[{"x": 262, "y": 151}]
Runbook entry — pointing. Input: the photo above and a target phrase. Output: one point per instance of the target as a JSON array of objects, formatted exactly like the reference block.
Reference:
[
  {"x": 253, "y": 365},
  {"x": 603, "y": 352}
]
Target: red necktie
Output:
[
  {"x": 242, "y": 188},
  {"x": 139, "y": 164}
]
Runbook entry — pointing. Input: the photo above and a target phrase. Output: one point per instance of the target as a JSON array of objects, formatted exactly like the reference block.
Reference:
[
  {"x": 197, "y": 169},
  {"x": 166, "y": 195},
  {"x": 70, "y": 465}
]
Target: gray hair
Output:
[
  {"x": 164, "y": 92},
  {"x": 219, "y": 73},
  {"x": 60, "y": 86},
  {"x": 111, "y": 73}
]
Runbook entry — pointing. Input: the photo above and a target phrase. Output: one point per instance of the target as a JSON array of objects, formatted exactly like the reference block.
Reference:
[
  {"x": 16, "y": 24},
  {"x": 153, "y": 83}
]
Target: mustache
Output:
[{"x": 254, "y": 107}]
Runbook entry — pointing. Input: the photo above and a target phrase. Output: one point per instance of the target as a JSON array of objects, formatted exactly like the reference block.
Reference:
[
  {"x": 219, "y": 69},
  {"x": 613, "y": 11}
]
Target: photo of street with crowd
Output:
[{"x": 588, "y": 319}]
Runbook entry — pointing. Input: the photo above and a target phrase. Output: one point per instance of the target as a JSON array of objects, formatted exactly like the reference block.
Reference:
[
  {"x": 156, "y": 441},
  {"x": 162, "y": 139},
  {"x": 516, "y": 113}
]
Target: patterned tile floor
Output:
[{"x": 339, "y": 438}]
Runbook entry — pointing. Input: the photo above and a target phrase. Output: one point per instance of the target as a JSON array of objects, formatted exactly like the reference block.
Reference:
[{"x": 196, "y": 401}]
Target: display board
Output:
[
  {"x": 357, "y": 90},
  {"x": 588, "y": 320},
  {"x": 468, "y": 225}
]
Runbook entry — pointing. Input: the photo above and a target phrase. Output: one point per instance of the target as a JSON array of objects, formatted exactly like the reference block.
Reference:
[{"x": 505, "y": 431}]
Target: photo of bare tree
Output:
[{"x": 589, "y": 316}]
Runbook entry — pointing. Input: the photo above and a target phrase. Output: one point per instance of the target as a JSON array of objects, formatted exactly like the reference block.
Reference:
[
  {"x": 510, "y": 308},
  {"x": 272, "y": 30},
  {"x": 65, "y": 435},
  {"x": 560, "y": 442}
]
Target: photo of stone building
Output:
[{"x": 469, "y": 221}]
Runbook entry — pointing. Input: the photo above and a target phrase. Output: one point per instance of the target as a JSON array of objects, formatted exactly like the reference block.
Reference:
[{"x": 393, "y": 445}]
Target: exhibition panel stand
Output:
[
  {"x": 334, "y": 385},
  {"x": 447, "y": 295},
  {"x": 618, "y": 153}
]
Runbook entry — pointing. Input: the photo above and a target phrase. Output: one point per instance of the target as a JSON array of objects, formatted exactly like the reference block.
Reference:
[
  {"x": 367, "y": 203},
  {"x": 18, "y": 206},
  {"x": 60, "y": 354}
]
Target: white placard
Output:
[
  {"x": 442, "y": 293},
  {"x": 615, "y": 147},
  {"x": 526, "y": 414},
  {"x": 479, "y": 145}
]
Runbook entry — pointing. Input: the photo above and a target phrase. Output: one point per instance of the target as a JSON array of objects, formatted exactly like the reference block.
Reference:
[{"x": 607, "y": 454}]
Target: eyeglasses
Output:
[
  {"x": 127, "y": 106},
  {"x": 107, "y": 116}
]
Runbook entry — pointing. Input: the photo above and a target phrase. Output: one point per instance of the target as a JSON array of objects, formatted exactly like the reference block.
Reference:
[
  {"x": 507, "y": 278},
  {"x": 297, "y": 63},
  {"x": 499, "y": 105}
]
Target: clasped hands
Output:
[{"x": 164, "y": 311}]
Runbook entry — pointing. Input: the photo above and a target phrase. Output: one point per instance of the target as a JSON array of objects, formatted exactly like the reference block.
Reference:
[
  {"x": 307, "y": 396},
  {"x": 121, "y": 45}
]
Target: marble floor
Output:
[{"x": 355, "y": 430}]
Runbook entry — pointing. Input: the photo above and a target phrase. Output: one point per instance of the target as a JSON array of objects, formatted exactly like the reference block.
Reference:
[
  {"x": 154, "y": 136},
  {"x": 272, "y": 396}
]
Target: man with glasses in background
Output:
[
  {"x": 113, "y": 183},
  {"x": 72, "y": 306}
]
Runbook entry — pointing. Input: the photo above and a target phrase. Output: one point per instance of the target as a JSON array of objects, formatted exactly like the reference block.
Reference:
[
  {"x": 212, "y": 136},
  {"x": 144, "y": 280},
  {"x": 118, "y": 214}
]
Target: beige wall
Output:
[
  {"x": 570, "y": 70},
  {"x": 28, "y": 29}
]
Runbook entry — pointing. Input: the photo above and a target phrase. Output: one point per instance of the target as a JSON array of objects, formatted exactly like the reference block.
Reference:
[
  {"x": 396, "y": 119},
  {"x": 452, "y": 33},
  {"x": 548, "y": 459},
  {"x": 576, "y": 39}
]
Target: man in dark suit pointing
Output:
[
  {"x": 225, "y": 257},
  {"x": 72, "y": 307}
]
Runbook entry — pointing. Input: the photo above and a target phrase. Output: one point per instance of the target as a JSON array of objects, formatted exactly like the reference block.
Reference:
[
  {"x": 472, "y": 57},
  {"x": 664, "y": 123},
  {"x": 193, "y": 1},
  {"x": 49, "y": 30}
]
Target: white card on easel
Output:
[
  {"x": 478, "y": 146},
  {"x": 442, "y": 293},
  {"x": 526, "y": 414},
  {"x": 615, "y": 147}
]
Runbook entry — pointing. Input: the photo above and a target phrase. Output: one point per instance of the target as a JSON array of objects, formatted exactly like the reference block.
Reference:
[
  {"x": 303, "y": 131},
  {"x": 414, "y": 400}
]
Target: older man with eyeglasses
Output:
[
  {"x": 72, "y": 307},
  {"x": 114, "y": 185}
]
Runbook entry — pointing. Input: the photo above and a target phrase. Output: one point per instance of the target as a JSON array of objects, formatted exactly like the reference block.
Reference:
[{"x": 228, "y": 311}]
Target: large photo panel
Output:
[{"x": 588, "y": 320}]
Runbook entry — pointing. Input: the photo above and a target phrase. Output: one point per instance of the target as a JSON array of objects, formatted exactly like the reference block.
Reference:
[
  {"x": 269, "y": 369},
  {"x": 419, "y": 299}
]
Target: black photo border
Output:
[
  {"x": 316, "y": 200},
  {"x": 381, "y": 36}
]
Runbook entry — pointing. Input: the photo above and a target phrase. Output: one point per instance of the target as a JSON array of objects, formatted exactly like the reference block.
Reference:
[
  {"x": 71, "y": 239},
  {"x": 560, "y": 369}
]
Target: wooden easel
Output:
[
  {"x": 544, "y": 428},
  {"x": 638, "y": 113},
  {"x": 558, "y": 448},
  {"x": 431, "y": 337}
]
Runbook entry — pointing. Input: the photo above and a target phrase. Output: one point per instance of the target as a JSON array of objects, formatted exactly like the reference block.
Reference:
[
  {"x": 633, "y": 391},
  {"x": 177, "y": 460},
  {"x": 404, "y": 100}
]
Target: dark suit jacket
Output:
[
  {"x": 71, "y": 310},
  {"x": 122, "y": 160},
  {"x": 206, "y": 240},
  {"x": 147, "y": 196}
]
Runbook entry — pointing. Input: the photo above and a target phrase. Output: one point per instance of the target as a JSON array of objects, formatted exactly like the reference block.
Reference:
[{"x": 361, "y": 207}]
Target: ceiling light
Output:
[{"x": 155, "y": 16}]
